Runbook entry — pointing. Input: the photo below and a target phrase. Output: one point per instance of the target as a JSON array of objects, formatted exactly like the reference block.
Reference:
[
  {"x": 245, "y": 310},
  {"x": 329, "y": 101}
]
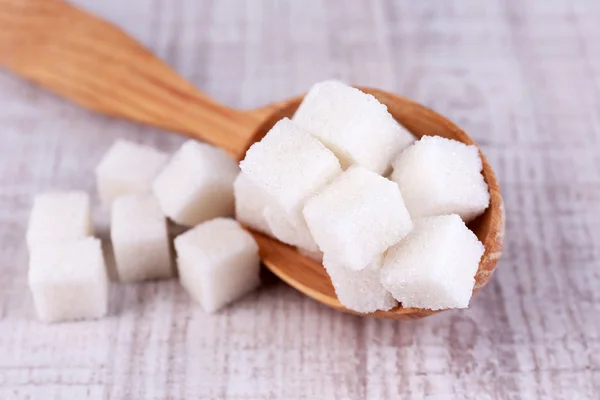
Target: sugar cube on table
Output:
[
  {"x": 353, "y": 124},
  {"x": 361, "y": 290},
  {"x": 434, "y": 267},
  {"x": 290, "y": 165},
  {"x": 140, "y": 239},
  {"x": 197, "y": 184},
  {"x": 439, "y": 176},
  {"x": 218, "y": 262},
  {"x": 357, "y": 217},
  {"x": 59, "y": 217},
  {"x": 251, "y": 202},
  {"x": 128, "y": 168},
  {"x": 68, "y": 281}
]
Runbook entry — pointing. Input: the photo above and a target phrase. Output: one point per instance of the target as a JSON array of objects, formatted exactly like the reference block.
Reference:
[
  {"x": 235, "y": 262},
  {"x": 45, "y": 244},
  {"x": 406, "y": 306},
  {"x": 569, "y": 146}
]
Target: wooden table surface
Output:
[{"x": 521, "y": 77}]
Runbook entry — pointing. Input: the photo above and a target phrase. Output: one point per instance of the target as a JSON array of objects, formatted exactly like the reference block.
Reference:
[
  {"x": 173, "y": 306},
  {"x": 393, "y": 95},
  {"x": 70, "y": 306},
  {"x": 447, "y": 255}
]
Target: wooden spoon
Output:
[{"x": 97, "y": 65}]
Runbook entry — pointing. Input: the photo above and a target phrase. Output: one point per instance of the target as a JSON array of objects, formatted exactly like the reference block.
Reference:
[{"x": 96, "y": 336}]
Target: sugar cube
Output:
[
  {"x": 218, "y": 262},
  {"x": 68, "y": 281},
  {"x": 290, "y": 228},
  {"x": 434, "y": 267},
  {"x": 197, "y": 184},
  {"x": 59, "y": 217},
  {"x": 140, "y": 240},
  {"x": 360, "y": 291},
  {"x": 289, "y": 165},
  {"x": 358, "y": 216},
  {"x": 127, "y": 168},
  {"x": 251, "y": 202},
  {"x": 439, "y": 176},
  {"x": 353, "y": 124}
]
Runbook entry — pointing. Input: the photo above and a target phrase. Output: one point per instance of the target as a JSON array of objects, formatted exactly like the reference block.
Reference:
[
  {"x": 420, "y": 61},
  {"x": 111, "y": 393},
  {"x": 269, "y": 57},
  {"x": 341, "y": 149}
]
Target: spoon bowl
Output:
[
  {"x": 310, "y": 277},
  {"x": 97, "y": 65}
]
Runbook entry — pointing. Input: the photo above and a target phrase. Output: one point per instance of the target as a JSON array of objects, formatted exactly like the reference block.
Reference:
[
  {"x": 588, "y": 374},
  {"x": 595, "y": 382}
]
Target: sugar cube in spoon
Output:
[
  {"x": 434, "y": 266},
  {"x": 360, "y": 291},
  {"x": 439, "y": 176},
  {"x": 357, "y": 217},
  {"x": 353, "y": 124},
  {"x": 290, "y": 165},
  {"x": 251, "y": 201}
]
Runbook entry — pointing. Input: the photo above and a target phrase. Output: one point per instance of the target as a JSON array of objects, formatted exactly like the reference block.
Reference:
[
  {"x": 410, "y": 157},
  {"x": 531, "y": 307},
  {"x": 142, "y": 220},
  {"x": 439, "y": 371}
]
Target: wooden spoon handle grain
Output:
[{"x": 97, "y": 65}]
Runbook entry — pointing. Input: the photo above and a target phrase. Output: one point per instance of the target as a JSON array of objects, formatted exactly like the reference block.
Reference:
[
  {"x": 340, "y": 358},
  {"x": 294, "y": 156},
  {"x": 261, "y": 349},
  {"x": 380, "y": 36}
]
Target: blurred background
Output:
[{"x": 521, "y": 77}]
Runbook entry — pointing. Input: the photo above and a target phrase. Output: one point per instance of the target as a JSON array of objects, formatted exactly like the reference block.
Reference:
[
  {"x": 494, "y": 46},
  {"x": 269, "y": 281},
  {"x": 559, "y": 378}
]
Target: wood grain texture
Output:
[{"x": 521, "y": 77}]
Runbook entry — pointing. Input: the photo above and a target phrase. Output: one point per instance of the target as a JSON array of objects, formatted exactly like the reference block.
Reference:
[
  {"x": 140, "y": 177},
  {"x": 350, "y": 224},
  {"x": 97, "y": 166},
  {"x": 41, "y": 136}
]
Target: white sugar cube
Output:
[
  {"x": 290, "y": 229},
  {"x": 197, "y": 184},
  {"x": 434, "y": 267},
  {"x": 59, "y": 217},
  {"x": 68, "y": 281},
  {"x": 357, "y": 217},
  {"x": 360, "y": 291},
  {"x": 139, "y": 237},
  {"x": 128, "y": 168},
  {"x": 353, "y": 124},
  {"x": 251, "y": 202},
  {"x": 290, "y": 165},
  {"x": 439, "y": 176},
  {"x": 218, "y": 262}
]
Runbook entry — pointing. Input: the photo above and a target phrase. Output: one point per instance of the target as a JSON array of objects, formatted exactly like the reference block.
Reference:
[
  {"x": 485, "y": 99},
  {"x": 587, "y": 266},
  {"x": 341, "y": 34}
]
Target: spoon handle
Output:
[{"x": 98, "y": 66}]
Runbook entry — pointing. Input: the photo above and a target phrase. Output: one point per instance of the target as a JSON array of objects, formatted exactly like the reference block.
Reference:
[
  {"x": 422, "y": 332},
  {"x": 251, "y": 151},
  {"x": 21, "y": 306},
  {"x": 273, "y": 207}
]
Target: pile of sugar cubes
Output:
[
  {"x": 316, "y": 181},
  {"x": 217, "y": 260}
]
